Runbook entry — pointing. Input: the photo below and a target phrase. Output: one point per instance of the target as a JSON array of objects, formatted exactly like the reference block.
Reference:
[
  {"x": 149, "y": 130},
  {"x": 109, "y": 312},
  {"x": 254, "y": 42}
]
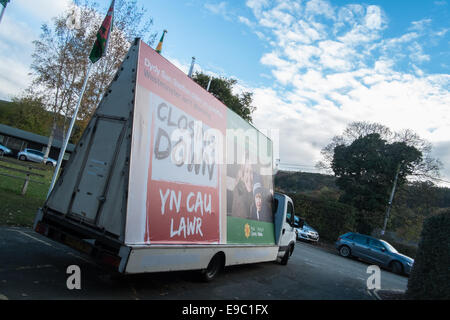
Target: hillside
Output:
[
  {"x": 413, "y": 195},
  {"x": 293, "y": 182},
  {"x": 31, "y": 116}
]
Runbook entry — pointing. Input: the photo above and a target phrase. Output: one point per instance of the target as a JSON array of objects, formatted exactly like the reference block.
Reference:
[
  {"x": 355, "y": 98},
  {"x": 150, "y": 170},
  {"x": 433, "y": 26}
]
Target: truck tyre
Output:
[
  {"x": 213, "y": 268},
  {"x": 287, "y": 254}
]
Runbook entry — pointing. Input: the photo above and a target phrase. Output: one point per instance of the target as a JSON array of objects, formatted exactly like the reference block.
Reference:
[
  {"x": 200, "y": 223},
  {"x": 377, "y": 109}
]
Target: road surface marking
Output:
[
  {"x": 50, "y": 245},
  {"x": 35, "y": 267},
  {"x": 361, "y": 279},
  {"x": 375, "y": 293},
  {"x": 30, "y": 236}
]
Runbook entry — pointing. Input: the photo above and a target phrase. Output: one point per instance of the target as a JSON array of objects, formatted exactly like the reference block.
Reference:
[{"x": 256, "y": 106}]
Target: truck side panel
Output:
[{"x": 159, "y": 259}]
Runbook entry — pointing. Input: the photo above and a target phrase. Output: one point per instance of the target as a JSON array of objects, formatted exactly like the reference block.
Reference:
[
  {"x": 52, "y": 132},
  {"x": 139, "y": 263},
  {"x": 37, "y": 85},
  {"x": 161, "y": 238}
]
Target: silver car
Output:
[
  {"x": 35, "y": 156},
  {"x": 307, "y": 233},
  {"x": 374, "y": 251}
]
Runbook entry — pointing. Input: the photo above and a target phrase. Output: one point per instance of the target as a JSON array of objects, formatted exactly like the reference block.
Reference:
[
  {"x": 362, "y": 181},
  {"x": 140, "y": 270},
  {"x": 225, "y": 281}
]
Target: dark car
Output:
[{"x": 374, "y": 251}]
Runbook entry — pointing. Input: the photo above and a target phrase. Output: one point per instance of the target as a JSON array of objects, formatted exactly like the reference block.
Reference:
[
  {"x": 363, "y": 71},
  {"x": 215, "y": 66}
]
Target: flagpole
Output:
[
  {"x": 69, "y": 132},
  {"x": 191, "y": 69},
  {"x": 1, "y": 14}
]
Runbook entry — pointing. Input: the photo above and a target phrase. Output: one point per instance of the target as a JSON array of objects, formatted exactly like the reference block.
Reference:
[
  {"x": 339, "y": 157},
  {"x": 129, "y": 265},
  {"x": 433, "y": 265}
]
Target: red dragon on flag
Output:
[{"x": 101, "y": 44}]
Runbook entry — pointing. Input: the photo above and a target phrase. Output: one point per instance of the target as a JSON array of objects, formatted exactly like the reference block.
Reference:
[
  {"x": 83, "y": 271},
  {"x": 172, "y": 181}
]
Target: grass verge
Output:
[{"x": 17, "y": 209}]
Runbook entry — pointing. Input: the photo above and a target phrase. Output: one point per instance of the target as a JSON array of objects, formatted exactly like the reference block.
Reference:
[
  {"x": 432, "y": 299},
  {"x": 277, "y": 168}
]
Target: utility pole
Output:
[{"x": 388, "y": 210}]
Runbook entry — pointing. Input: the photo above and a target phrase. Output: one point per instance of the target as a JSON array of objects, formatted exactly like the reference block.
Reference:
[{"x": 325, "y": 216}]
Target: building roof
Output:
[{"x": 29, "y": 136}]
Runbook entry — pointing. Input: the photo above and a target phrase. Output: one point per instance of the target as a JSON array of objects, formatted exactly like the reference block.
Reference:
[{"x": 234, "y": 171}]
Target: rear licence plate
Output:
[{"x": 78, "y": 244}]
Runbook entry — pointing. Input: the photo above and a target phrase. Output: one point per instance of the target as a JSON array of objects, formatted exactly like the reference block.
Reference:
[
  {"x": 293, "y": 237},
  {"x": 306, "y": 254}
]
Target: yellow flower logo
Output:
[{"x": 247, "y": 230}]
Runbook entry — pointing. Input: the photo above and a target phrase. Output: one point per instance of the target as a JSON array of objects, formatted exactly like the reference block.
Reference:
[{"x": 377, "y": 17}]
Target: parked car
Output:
[
  {"x": 35, "y": 156},
  {"x": 374, "y": 251},
  {"x": 4, "y": 151},
  {"x": 305, "y": 232}
]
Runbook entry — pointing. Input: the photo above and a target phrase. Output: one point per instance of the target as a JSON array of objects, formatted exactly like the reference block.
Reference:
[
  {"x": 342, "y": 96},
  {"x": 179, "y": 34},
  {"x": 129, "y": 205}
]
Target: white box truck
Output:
[{"x": 165, "y": 177}]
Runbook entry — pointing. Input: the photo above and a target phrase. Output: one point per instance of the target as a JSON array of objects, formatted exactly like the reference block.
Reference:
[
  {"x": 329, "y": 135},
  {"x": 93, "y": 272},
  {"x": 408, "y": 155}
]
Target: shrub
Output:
[
  {"x": 405, "y": 249},
  {"x": 430, "y": 277},
  {"x": 330, "y": 218}
]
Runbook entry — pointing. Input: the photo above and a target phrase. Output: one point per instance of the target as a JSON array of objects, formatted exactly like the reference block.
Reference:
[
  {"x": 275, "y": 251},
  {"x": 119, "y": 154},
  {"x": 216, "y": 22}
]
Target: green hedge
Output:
[
  {"x": 330, "y": 218},
  {"x": 430, "y": 277},
  {"x": 402, "y": 247},
  {"x": 405, "y": 249}
]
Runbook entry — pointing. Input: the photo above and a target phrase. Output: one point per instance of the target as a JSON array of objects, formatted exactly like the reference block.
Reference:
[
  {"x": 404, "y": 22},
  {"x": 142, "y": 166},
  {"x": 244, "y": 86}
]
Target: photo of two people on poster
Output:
[{"x": 251, "y": 198}]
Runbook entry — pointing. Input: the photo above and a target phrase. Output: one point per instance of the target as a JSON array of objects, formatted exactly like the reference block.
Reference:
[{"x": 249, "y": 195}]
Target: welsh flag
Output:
[
  {"x": 101, "y": 44},
  {"x": 159, "y": 47},
  {"x": 4, "y": 3}
]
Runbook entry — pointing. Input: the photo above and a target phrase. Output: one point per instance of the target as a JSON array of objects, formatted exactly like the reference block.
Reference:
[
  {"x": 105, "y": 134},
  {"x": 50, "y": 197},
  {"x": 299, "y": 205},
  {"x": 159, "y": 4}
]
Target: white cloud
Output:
[
  {"x": 12, "y": 83},
  {"x": 42, "y": 10},
  {"x": 216, "y": 8},
  {"x": 20, "y": 27},
  {"x": 420, "y": 25},
  {"x": 373, "y": 18},
  {"x": 320, "y": 7},
  {"x": 220, "y": 8},
  {"x": 416, "y": 53},
  {"x": 257, "y": 6},
  {"x": 328, "y": 75},
  {"x": 245, "y": 21}
]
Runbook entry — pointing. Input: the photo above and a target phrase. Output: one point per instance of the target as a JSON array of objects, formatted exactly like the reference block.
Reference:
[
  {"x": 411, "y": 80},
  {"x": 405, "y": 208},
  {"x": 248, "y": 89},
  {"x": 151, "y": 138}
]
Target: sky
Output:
[{"x": 314, "y": 66}]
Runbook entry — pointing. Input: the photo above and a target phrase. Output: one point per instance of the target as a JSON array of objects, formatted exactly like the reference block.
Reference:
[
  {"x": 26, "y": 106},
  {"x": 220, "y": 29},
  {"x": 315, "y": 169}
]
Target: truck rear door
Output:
[{"x": 95, "y": 173}]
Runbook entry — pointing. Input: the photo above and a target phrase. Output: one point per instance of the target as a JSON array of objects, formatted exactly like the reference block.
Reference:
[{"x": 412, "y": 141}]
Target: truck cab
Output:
[{"x": 285, "y": 236}]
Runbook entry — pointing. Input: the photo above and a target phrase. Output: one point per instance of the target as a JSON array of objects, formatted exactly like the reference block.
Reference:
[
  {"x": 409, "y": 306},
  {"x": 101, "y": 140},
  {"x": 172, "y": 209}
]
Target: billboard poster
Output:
[
  {"x": 249, "y": 184},
  {"x": 184, "y": 188},
  {"x": 175, "y": 184}
]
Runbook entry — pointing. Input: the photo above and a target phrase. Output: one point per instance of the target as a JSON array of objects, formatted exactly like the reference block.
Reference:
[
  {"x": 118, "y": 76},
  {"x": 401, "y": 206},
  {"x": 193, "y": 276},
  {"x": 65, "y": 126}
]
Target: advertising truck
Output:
[{"x": 165, "y": 178}]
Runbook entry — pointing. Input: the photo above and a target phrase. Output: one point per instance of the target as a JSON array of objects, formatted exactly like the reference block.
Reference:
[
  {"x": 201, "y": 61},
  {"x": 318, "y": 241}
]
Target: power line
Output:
[{"x": 295, "y": 165}]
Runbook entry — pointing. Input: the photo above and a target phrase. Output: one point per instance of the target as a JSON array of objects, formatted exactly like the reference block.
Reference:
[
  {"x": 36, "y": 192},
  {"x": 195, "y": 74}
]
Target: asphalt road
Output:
[{"x": 34, "y": 267}]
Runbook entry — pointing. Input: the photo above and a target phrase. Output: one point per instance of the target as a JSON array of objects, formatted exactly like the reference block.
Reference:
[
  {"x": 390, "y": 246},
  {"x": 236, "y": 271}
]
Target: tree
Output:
[
  {"x": 222, "y": 89},
  {"x": 428, "y": 168},
  {"x": 60, "y": 58},
  {"x": 26, "y": 114},
  {"x": 365, "y": 171}
]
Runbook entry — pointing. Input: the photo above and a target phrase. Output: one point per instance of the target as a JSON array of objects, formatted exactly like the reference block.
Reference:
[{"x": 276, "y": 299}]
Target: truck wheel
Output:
[
  {"x": 213, "y": 269},
  {"x": 287, "y": 254}
]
